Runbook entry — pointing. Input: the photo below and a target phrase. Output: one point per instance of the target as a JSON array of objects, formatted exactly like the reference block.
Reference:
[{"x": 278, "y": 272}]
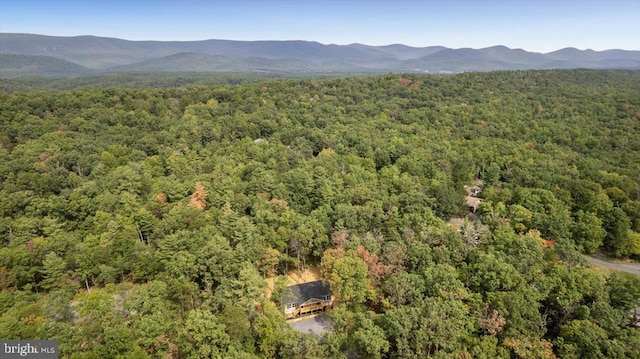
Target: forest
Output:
[{"x": 142, "y": 222}]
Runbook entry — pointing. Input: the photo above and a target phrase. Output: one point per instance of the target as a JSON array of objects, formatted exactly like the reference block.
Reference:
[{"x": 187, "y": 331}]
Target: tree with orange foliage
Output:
[
  {"x": 377, "y": 270},
  {"x": 199, "y": 198}
]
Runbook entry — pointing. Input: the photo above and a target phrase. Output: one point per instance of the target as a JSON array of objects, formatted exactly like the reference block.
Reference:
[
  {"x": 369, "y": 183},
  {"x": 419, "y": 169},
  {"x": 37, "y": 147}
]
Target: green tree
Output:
[
  {"x": 203, "y": 336},
  {"x": 624, "y": 290},
  {"x": 442, "y": 280},
  {"x": 617, "y": 225},
  {"x": 588, "y": 233},
  {"x": 301, "y": 346},
  {"x": 271, "y": 330},
  {"x": 520, "y": 308},
  {"x": 54, "y": 269},
  {"x": 245, "y": 290},
  {"x": 348, "y": 279},
  {"x": 584, "y": 339},
  {"x": 489, "y": 273},
  {"x": 424, "y": 329},
  {"x": 369, "y": 339},
  {"x": 402, "y": 288}
]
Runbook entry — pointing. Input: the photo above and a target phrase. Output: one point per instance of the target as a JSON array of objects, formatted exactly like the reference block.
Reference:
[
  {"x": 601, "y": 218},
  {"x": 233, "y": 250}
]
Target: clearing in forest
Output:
[{"x": 294, "y": 277}]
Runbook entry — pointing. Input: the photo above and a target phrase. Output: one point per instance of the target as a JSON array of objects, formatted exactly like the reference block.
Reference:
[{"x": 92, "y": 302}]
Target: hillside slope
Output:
[{"x": 113, "y": 55}]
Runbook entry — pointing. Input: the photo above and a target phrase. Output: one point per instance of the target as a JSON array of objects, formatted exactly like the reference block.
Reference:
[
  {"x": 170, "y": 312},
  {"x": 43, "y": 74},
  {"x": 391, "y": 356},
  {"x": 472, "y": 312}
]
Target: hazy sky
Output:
[{"x": 537, "y": 25}]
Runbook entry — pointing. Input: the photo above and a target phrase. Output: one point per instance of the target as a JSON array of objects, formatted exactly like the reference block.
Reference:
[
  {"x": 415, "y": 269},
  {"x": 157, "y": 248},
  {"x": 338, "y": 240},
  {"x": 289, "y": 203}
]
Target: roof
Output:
[
  {"x": 473, "y": 190},
  {"x": 472, "y": 201},
  {"x": 305, "y": 291}
]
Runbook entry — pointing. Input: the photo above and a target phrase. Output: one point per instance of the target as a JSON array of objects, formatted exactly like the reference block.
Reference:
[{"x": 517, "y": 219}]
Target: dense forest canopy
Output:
[
  {"x": 141, "y": 222},
  {"x": 146, "y": 80}
]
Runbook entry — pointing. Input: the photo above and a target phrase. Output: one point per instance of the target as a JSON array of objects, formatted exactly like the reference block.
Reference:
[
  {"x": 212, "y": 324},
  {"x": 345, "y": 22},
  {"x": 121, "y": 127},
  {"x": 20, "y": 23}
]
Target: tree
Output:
[
  {"x": 377, "y": 270},
  {"x": 584, "y": 339},
  {"x": 151, "y": 315},
  {"x": 491, "y": 321},
  {"x": 280, "y": 289},
  {"x": 428, "y": 327},
  {"x": 402, "y": 288},
  {"x": 572, "y": 293},
  {"x": 329, "y": 257},
  {"x": 202, "y": 336},
  {"x": 54, "y": 268},
  {"x": 520, "y": 311},
  {"x": 58, "y": 306},
  {"x": 301, "y": 346},
  {"x": 486, "y": 347},
  {"x": 617, "y": 225},
  {"x": 199, "y": 197},
  {"x": 154, "y": 331},
  {"x": 473, "y": 232},
  {"x": 588, "y": 233},
  {"x": 634, "y": 239},
  {"x": 489, "y": 273},
  {"x": 269, "y": 260},
  {"x": 442, "y": 280},
  {"x": 245, "y": 290},
  {"x": 369, "y": 339},
  {"x": 117, "y": 341},
  {"x": 348, "y": 279},
  {"x": 271, "y": 330},
  {"x": 624, "y": 290},
  {"x": 236, "y": 321},
  {"x": 530, "y": 347}
]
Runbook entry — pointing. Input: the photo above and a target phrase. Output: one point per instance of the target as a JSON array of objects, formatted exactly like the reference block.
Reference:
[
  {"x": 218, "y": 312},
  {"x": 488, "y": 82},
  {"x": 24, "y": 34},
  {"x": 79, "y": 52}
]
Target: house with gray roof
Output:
[{"x": 307, "y": 298}]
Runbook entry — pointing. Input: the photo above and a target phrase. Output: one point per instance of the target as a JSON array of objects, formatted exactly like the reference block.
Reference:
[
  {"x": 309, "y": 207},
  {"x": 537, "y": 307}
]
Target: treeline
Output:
[
  {"x": 141, "y": 222},
  {"x": 146, "y": 80}
]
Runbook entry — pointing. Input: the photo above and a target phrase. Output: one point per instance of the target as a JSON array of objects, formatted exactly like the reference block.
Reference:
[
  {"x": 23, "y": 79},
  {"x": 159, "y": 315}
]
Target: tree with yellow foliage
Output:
[{"x": 199, "y": 198}]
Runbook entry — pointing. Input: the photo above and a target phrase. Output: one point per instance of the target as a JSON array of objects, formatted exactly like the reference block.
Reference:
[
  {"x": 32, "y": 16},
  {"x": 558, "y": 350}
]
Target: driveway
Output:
[
  {"x": 317, "y": 325},
  {"x": 624, "y": 267}
]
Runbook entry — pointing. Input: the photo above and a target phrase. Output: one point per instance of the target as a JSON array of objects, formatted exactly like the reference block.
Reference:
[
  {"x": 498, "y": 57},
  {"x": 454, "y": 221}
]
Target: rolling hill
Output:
[
  {"x": 35, "y": 65},
  {"x": 41, "y": 55}
]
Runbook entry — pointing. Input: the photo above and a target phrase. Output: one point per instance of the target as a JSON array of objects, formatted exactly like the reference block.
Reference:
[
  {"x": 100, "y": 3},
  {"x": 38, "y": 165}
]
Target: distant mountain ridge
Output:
[
  {"x": 92, "y": 54},
  {"x": 30, "y": 65}
]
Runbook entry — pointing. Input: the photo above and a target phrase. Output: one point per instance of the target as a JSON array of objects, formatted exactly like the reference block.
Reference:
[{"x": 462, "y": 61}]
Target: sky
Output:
[{"x": 533, "y": 25}]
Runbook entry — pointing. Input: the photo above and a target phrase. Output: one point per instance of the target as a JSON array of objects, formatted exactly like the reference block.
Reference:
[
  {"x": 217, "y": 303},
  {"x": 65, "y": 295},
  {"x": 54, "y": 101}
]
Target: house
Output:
[
  {"x": 472, "y": 199},
  {"x": 473, "y": 203},
  {"x": 473, "y": 191},
  {"x": 306, "y": 298}
]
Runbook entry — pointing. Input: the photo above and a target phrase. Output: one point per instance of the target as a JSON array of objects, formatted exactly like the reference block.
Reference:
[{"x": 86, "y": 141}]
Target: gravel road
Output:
[{"x": 625, "y": 267}]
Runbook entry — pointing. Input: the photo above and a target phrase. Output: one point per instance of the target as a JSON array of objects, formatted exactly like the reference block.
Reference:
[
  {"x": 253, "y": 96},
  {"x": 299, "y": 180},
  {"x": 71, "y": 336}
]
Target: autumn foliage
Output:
[{"x": 199, "y": 198}]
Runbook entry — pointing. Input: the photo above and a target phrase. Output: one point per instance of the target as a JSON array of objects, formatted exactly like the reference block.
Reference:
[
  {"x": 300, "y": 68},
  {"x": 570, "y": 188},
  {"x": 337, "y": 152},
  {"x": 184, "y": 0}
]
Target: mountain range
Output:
[{"x": 40, "y": 55}]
